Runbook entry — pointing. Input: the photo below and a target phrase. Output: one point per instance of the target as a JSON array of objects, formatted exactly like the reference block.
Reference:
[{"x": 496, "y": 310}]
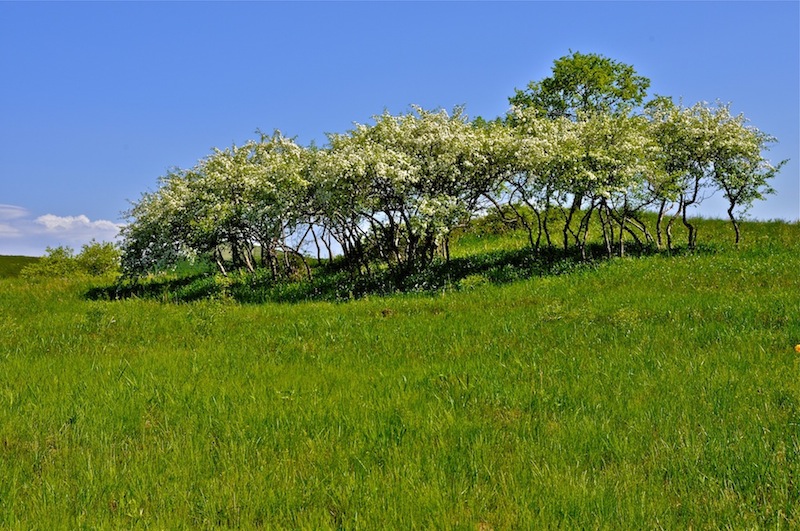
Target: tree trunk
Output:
[
  {"x": 583, "y": 229},
  {"x": 641, "y": 227},
  {"x": 576, "y": 202},
  {"x": 545, "y": 226},
  {"x": 604, "y": 223},
  {"x": 218, "y": 259},
  {"x": 316, "y": 244},
  {"x": 525, "y": 224},
  {"x": 671, "y": 221},
  {"x": 734, "y": 222},
  {"x": 538, "y": 229},
  {"x": 692, "y": 237},
  {"x": 661, "y": 211}
]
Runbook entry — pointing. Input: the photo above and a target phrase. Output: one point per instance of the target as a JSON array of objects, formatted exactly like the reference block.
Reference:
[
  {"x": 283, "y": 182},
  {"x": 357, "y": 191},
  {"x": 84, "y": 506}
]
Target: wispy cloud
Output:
[
  {"x": 8, "y": 231},
  {"x": 21, "y": 233},
  {"x": 12, "y": 212}
]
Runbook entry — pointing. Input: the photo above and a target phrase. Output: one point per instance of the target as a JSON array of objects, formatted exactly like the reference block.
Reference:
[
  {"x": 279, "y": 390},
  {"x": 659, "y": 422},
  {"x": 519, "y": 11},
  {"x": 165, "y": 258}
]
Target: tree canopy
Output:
[{"x": 584, "y": 83}]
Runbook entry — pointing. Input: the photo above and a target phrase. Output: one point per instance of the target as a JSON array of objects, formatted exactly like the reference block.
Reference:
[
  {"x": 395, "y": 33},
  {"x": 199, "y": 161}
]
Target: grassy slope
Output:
[
  {"x": 644, "y": 393},
  {"x": 10, "y": 266}
]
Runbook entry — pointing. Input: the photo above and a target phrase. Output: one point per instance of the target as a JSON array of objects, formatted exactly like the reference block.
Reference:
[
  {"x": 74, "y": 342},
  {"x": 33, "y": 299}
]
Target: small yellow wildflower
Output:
[{"x": 797, "y": 348}]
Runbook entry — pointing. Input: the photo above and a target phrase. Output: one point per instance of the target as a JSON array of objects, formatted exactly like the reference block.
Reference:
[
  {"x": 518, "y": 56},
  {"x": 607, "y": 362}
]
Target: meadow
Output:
[{"x": 652, "y": 391}]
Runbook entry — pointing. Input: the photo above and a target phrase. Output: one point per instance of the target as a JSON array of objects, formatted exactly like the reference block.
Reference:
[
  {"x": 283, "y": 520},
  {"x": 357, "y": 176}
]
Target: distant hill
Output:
[{"x": 10, "y": 266}]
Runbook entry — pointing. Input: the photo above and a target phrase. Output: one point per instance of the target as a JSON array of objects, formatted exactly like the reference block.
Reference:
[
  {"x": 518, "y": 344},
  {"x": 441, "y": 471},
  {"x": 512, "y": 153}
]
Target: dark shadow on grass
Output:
[
  {"x": 185, "y": 288},
  {"x": 335, "y": 282}
]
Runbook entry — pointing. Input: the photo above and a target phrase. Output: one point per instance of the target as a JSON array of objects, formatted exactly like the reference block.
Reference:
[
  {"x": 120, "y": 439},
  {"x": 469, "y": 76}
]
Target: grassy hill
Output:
[
  {"x": 10, "y": 266},
  {"x": 644, "y": 392}
]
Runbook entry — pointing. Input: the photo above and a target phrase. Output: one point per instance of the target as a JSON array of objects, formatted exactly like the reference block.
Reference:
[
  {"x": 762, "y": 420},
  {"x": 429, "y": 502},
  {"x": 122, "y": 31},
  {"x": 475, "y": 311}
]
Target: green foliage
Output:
[
  {"x": 95, "y": 259},
  {"x": 584, "y": 83},
  {"x": 59, "y": 262},
  {"x": 99, "y": 259}
]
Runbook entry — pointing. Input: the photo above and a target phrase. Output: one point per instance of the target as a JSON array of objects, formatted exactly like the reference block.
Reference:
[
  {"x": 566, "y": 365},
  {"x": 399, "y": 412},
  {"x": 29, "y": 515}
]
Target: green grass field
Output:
[{"x": 644, "y": 392}]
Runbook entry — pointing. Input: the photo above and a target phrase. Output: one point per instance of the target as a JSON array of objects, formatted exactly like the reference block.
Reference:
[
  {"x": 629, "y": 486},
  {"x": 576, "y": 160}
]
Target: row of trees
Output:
[{"x": 578, "y": 146}]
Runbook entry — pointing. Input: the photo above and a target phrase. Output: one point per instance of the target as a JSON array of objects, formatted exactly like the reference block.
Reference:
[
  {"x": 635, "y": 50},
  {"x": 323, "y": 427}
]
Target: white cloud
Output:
[
  {"x": 20, "y": 234},
  {"x": 12, "y": 212},
  {"x": 72, "y": 224}
]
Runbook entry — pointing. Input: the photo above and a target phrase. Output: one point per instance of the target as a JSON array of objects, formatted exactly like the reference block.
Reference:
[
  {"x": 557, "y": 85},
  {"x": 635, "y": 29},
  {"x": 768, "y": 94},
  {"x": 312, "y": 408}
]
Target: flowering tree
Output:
[
  {"x": 740, "y": 170},
  {"x": 397, "y": 188},
  {"x": 704, "y": 149},
  {"x": 155, "y": 235},
  {"x": 229, "y": 202},
  {"x": 599, "y": 163},
  {"x": 618, "y": 158},
  {"x": 598, "y": 148},
  {"x": 278, "y": 212},
  {"x": 547, "y": 161}
]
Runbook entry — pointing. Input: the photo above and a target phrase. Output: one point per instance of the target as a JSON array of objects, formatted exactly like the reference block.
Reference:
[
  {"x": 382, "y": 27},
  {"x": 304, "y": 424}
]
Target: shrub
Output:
[
  {"x": 95, "y": 259},
  {"x": 58, "y": 263},
  {"x": 99, "y": 258}
]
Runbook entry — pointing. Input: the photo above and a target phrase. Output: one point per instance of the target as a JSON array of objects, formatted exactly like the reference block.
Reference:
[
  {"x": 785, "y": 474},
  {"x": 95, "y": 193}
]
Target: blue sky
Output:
[{"x": 97, "y": 100}]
